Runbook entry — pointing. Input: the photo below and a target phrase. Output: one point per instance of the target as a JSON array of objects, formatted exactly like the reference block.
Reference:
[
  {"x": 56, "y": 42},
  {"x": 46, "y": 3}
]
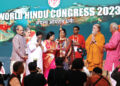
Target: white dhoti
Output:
[{"x": 113, "y": 82}]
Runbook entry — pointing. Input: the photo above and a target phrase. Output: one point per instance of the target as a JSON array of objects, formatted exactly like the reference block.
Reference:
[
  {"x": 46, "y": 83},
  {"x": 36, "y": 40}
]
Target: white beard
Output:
[{"x": 94, "y": 33}]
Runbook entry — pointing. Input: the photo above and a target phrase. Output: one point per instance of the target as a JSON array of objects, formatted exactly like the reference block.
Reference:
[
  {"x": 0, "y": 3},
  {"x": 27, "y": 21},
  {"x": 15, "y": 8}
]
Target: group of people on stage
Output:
[
  {"x": 28, "y": 47},
  {"x": 44, "y": 52}
]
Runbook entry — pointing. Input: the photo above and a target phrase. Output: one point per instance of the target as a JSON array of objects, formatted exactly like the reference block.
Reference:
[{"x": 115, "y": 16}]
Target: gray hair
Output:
[
  {"x": 114, "y": 25},
  {"x": 27, "y": 29},
  {"x": 17, "y": 28}
]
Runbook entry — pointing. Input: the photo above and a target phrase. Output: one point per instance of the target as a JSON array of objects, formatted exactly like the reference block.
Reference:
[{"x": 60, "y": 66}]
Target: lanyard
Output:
[{"x": 74, "y": 38}]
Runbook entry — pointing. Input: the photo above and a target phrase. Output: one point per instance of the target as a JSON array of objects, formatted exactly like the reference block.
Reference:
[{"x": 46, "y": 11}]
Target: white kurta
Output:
[{"x": 34, "y": 53}]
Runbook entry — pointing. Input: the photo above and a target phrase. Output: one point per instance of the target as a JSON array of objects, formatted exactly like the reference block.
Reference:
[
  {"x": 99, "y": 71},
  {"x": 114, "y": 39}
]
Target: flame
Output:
[{"x": 119, "y": 28}]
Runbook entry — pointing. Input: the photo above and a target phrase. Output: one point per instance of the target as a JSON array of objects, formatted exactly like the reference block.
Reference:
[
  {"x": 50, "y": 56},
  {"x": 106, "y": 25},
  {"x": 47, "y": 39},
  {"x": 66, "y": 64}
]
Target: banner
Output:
[{"x": 48, "y": 15}]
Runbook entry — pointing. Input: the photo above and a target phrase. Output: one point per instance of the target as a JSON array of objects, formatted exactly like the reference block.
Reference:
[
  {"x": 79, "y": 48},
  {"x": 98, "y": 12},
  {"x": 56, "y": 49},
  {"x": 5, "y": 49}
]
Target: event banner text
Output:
[{"x": 62, "y": 13}]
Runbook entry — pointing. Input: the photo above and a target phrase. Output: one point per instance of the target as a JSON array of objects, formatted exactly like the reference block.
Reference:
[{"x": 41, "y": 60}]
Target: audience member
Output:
[
  {"x": 34, "y": 78},
  {"x": 57, "y": 76},
  {"x": 97, "y": 79},
  {"x": 18, "y": 69},
  {"x": 75, "y": 76},
  {"x": 116, "y": 75}
]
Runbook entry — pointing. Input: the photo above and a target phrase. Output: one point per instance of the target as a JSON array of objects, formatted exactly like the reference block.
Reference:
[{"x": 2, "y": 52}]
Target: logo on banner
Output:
[{"x": 53, "y": 3}]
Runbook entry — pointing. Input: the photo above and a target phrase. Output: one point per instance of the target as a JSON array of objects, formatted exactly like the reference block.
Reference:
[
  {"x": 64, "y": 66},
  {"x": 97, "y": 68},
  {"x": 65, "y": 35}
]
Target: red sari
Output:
[
  {"x": 64, "y": 46},
  {"x": 49, "y": 57}
]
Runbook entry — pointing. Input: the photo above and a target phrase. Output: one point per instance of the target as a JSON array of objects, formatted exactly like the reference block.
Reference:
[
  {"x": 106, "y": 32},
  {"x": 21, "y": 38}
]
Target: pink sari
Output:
[{"x": 49, "y": 57}]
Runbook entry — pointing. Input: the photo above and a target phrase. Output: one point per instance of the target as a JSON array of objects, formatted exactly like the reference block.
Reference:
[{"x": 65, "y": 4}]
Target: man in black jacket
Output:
[
  {"x": 57, "y": 76},
  {"x": 34, "y": 78},
  {"x": 15, "y": 79},
  {"x": 116, "y": 75},
  {"x": 75, "y": 76}
]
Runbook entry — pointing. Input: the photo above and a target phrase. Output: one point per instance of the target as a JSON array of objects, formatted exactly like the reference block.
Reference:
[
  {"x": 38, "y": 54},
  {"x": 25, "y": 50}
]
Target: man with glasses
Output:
[
  {"x": 78, "y": 42},
  {"x": 19, "y": 46}
]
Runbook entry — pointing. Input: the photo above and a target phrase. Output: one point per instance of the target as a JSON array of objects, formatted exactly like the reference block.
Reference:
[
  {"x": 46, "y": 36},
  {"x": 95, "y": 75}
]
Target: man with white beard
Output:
[
  {"x": 94, "y": 46},
  {"x": 35, "y": 51}
]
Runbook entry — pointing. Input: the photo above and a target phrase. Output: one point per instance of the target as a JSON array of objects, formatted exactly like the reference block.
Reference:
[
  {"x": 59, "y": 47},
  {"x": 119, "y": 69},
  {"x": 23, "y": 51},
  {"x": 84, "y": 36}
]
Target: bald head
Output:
[
  {"x": 19, "y": 30},
  {"x": 113, "y": 27}
]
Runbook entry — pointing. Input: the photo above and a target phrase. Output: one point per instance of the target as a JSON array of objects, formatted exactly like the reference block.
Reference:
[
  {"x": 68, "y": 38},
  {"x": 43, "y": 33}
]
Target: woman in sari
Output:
[
  {"x": 65, "y": 48},
  {"x": 49, "y": 55},
  {"x": 30, "y": 36}
]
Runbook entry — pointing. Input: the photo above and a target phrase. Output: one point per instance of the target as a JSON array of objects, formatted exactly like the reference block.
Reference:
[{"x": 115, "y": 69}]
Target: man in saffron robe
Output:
[
  {"x": 78, "y": 42},
  {"x": 94, "y": 46}
]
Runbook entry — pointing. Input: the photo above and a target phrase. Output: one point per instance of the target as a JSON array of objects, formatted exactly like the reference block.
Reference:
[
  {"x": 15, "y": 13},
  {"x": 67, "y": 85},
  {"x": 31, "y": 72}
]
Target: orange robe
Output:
[
  {"x": 102, "y": 82},
  {"x": 95, "y": 51}
]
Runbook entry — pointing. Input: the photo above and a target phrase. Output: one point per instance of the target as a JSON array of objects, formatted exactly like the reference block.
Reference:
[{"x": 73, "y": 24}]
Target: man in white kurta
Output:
[{"x": 35, "y": 51}]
